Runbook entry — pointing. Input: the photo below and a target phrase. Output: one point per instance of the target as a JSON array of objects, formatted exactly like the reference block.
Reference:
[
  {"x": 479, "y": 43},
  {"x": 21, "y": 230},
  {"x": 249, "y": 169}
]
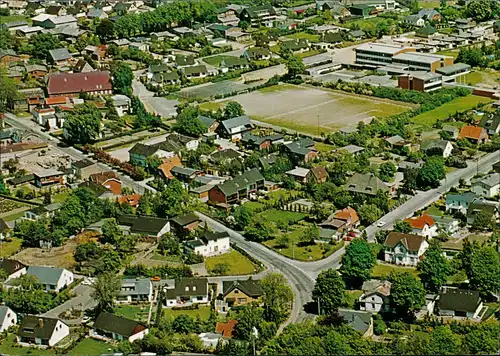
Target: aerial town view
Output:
[{"x": 249, "y": 177}]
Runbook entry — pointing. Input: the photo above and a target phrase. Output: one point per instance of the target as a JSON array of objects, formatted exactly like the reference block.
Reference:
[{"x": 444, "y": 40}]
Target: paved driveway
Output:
[
  {"x": 155, "y": 104},
  {"x": 82, "y": 301}
]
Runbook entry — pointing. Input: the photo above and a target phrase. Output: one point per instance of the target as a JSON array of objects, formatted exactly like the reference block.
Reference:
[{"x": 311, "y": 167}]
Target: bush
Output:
[
  {"x": 192, "y": 259},
  {"x": 379, "y": 327}
]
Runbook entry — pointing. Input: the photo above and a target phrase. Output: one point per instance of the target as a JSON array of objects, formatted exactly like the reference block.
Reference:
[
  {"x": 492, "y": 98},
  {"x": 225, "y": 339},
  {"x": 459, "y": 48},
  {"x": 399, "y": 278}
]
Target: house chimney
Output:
[
  {"x": 65, "y": 80},
  {"x": 86, "y": 77},
  {"x": 40, "y": 323}
]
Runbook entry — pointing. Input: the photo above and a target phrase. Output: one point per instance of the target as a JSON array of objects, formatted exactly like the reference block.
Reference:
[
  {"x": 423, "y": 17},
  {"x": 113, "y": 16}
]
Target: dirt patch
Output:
[{"x": 57, "y": 256}]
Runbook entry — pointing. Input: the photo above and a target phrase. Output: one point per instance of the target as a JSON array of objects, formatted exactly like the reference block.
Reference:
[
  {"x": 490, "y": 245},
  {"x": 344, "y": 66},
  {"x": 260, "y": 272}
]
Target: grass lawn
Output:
[
  {"x": 216, "y": 60},
  {"x": 211, "y": 106},
  {"x": 451, "y": 53},
  {"x": 483, "y": 76},
  {"x": 303, "y": 253},
  {"x": 253, "y": 205},
  {"x": 429, "y": 118},
  {"x": 237, "y": 263},
  {"x": 202, "y": 311},
  {"x": 323, "y": 147},
  {"x": 91, "y": 347},
  {"x": 11, "y": 18},
  {"x": 59, "y": 198},
  {"x": 282, "y": 193},
  {"x": 8, "y": 346},
  {"x": 429, "y": 4},
  {"x": 135, "y": 312},
  {"x": 308, "y": 53},
  {"x": 384, "y": 270},
  {"x": 351, "y": 297},
  {"x": 434, "y": 210},
  {"x": 14, "y": 216},
  {"x": 492, "y": 307},
  {"x": 275, "y": 215},
  {"x": 307, "y": 36},
  {"x": 9, "y": 248},
  {"x": 172, "y": 258}
]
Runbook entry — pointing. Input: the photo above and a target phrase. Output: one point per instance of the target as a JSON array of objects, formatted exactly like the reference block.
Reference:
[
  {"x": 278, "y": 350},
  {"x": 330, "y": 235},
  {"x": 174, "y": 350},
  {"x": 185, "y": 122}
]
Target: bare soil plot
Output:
[
  {"x": 314, "y": 110},
  {"x": 57, "y": 256}
]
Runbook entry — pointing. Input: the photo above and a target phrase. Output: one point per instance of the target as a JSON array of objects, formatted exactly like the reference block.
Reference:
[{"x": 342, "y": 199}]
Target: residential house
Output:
[
  {"x": 490, "y": 209},
  {"x": 233, "y": 190},
  {"x": 357, "y": 35},
  {"x": 441, "y": 148},
  {"x": 210, "y": 244},
  {"x": 131, "y": 199},
  {"x": 47, "y": 177},
  {"x": 234, "y": 128},
  {"x": 255, "y": 142},
  {"x": 491, "y": 123},
  {"x": 332, "y": 38},
  {"x": 51, "y": 279},
  {"x": 465, "y": 24},
  {"x": 459, "y": 202},
  {"x": 185, "y": 223},
  {"x": 168, "y": 163},
  {"x": 238, "y": 292},
  {"x": 108, "y": 180},
  {"x": 4, "y": 230},
  {"x": 60, "y": 56},
  {"x": 188, "y": 291},
  {"x": 475, "y": 134},
  {"x": 453, "y": 131},
  {"x": 360, "y": 321},
  {"x": 233, "y": 63},
  {"x": 404, "y": 249},
  {"x": 99, "y": 190},
  {"x": 228, "y": 17},
  {"x": 139, "y": 153},
  {"x": 150, "y": 226},
  {"x": 487, "y": 186},
  {"x": 82, "y": 66},
  {"x": 55, "y": 22},
  {"x": 300, "y": 174},
  {"x": 38, "y": 212},
  {"x": 319, "y": 174},
  {"x": 460, "y": 303},
  {"x": 352, "y": 149},
  {"x": 341, "y": 222},
  {"x": 56, "y": 10},
  {"x": 376, "y": 296},
  {"x": 199, "y": 71},
  {"x": 97, "y": 14},
  {"x": 208, "y": 123},
  {"x": 8, "y": 318},
  {"x": 185, "y": 174},
  {"x": 430, "y": 15},
  {"x": 40, "y": 331},
  {"x": 210, "y": 340},
  {"x": 423, "y": 225},
  {"x": 257, "y": 53},
  {"x": 8, "y": 56},
  {"x": 296, "y": 46},
  {"x": 164, "y": 35},
  {"x": 181, "y": 61},
  {"x": 227, "y": 329},
  {"x": 121, "y": 103},
  {"x": 257, "y": 16},
  {"x": 446, "y": 224},
  {"x": 109, "y": 326},
  {"x": 13, "y": 268},
  {"x": 73, "y": 84},
  {"x": 396, "y": 141},
  {"x": 302, "y": 150},
  {"x": 414, "y": 20},
  {"x": 367, "y": 184},
  {"x": 188, "y": 143},
  {"x": 135, "y": 290}
]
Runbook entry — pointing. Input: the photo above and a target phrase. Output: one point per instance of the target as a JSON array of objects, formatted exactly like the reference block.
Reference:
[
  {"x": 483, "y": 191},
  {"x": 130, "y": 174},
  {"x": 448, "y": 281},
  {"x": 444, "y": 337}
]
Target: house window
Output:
[
  {"x": 187, "y": 289},
  {"x": 236, "y": 291},
  {"x": 199, "y": 297},
  {"x": 242, "y": 300},
  {"x": 373, "y": 306},
  {"x": 194, "y": 288}
]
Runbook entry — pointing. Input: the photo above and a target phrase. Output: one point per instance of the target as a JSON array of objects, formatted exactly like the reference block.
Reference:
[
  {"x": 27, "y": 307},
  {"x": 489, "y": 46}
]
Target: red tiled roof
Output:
[
  {"x": 474, "y": 132},
  {"x": 226, "y": 329},
  {"x": 421, "y": 221},
  {"x": 346, "y": 214},
  {"x": 66, "y": 83},
  {"x": 102, "y": 177},
  {"x": 56, "y": 100},
  {"x": 34, "y": 101},
  {"x": 131, "y": 199}
]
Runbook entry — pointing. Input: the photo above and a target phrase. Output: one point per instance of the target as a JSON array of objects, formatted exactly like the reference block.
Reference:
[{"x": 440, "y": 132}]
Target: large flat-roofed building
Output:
[
  {"x": 422, "y": 61},
  {"x": 379, "y": 54},
  {"x": 450, "y": 73},
  {"x": 421, "y": 81}
]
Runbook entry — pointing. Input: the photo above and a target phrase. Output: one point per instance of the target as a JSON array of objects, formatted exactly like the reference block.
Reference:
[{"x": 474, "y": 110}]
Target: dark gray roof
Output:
[
  {"x": 118, "y": 325},
  {"x": 448, "y": 70},
  {"x": 46, "y": 275},
  {"x": 3, "y": 312},
  {"x": 59, "y": 54},
  {"x": 206, "y": 121},
  {"x": 359, "y": 320},
  {"x": 250, "y": 287},
  {"x": 214, "y": 236},
  {"x": 148, "y": 225},
  {"x": 243, "y": 120},
  {"x": 188, "y": 287},
  {"x": 185, "y": 219},
  {"x": 224, "y": 155},
  {"x": 463, "y": 300},
  {"x": 366, "y": 184},
  {"x": 490, "y": 122},
  {"x": 195, "y": 69},
  {"x": 181, "y": 60},
  {"x": 11, "y": 266},
  {"x": 232, "y": 186},
  {"x": 135, "y": 286},
  {"x": 82, "y": 163},
  {"x": 143, "y": 150},
  {"x": 30, "y": 327},
  {"x": 431, "y": 144},
  {"x": 184, "y": 171}
]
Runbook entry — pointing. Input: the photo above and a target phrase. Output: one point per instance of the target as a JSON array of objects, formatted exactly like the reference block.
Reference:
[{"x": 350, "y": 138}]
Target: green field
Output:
[
  {"x": 91, "y": 347},
  {"x": 451, "y": 53},
  {"x": 202, "y": 311},
  {"x": 324, "y": 147},
  {"x": 216, "y": 60},
  {"x": 253, "y": 205},
  {"x": 385, "y": 270},
  {"x": 429, "y": 118},
  {"x": 11, "y": 247},
  {"x": 351, "y": 297},
  {"x": 135, "y": 312},
  {"x": 307, "y": 36},
  {"x": 275, "y": 215},
  {"x": 237, "y": 263},
  {"x": 310, "y": 53},
  {"x": 483, "y": 76},
  {"x": 8, "y": 346},
  {"x": 12, "y": 18}
]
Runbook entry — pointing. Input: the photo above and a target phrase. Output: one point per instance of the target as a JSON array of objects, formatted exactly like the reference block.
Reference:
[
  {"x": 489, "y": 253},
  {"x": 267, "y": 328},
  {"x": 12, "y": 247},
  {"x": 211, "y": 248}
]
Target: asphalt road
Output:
[{"x": 155, "y": 104}]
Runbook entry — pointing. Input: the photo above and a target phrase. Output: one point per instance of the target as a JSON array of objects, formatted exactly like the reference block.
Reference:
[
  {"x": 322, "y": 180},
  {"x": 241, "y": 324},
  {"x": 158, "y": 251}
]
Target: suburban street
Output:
[{"x": 157, "y": 105}]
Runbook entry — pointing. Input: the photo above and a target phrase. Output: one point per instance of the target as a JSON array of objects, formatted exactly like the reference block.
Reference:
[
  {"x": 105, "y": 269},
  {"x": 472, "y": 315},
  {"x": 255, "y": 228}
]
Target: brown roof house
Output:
[
  {"x": 227, "y": 329},
  {"x": 109, "y": 326},
  {"x": 72, "y": 84},
  {"x": 4, "y": 230},
  {"x": 319, "y": 174},
  {"x": 404, "y": 249},
  {"x": 108, "y": 180},
  {"x": 13, "y": 268},
  {"x": 233, "y": 190},
  {"x": 475, "y": 134},
  {"x": 341, "y": 221},
  {"x": 185, "y": 223},
  {"x": 168, "y": 163},
  {"x": 238, "y": 292}
]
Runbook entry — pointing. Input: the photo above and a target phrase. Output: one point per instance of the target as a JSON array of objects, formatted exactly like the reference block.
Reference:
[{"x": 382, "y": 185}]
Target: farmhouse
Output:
[
  {"x": 376, "y": 296},
  {"x": 423, "y": 225},
  {"x": 238, "y": 292}
]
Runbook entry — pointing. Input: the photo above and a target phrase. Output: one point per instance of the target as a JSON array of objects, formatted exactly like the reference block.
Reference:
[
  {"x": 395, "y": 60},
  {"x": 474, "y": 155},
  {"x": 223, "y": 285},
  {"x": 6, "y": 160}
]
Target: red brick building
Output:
[{"x": 72, "y": 84}]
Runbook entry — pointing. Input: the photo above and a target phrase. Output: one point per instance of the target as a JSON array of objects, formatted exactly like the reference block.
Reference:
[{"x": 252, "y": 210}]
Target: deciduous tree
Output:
[
  {"x": 357, "y": 263},
  {"x": 329, "y": 289},
  {"x": 407, "y": 293},
  {"x": 277, "y": 297},
  {"x": 83, "y": 124},
  {"x": 434, "y": 268},
  {"x": 106, "y": 288}
]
